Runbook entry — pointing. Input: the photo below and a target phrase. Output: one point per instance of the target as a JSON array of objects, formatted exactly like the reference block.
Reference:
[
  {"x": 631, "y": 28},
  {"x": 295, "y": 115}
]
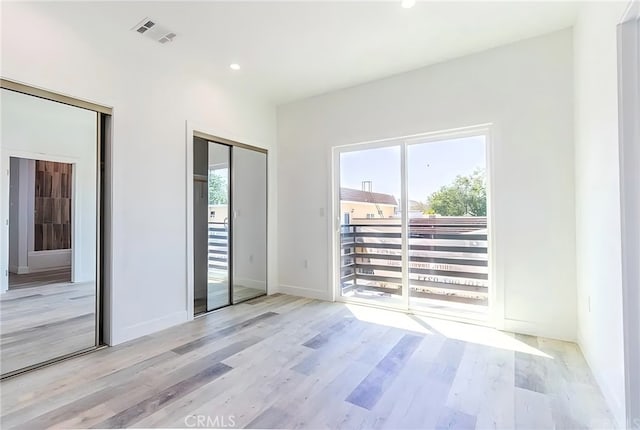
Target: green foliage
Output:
[
  {"x": 218, "y": 189},
  {"x": 467, "y": 195},
  {"x": 423, "y": 207}
]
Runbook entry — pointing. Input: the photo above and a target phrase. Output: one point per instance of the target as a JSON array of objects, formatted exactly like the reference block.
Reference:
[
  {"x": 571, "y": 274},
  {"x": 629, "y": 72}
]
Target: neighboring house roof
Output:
[
  {"x": 414, "y": 205},
  {"x": 352, "y": 195}
]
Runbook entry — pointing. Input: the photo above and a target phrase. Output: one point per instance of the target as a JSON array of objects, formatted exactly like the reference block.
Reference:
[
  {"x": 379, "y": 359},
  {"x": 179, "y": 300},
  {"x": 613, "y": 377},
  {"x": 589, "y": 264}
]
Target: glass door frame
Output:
[{"x": 495, "y": 307}]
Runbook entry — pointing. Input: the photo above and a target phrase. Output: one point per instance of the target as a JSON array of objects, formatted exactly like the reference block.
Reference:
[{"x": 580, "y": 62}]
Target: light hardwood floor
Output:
[{"x": 287, "y": 362}]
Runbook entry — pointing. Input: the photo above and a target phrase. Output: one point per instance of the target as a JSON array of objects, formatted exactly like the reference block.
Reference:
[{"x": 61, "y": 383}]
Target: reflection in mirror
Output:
[
  {"x": 48, "y": 299},
  {"x": 249, "y": 205},
  {"x": 218, "y": 226},
  {"x": 211, "y": 225}
]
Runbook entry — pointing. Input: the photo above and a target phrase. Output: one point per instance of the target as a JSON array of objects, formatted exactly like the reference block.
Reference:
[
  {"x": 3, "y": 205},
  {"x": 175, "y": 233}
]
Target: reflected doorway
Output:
[
  {"x": 43, "y": 306},
  {"x": 40, "y": 222}
]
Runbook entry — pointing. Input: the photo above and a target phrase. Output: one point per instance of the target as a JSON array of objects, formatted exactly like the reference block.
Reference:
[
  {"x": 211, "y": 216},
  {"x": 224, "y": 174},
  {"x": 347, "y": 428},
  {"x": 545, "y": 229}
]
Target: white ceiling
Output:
[{"x": 292, "y": 50}]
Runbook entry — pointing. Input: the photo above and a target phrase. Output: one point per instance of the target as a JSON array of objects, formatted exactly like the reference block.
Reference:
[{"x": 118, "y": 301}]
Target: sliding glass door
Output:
[
  {"x": 448, "y": 258},
  {"x": 370, "y": 231},
  {"x": 413, "y": 224}
]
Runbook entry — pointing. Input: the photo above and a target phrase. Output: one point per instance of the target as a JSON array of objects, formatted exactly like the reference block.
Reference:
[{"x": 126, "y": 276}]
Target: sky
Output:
[{"x": 430, "y": 166}]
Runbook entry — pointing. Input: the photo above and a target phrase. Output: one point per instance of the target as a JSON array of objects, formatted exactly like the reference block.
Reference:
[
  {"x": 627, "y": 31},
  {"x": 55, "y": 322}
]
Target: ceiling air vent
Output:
[
  {"x": 167, "y": 38},
  {"x": 152, "y": 30},
  {"x": 146, "y": 26}
]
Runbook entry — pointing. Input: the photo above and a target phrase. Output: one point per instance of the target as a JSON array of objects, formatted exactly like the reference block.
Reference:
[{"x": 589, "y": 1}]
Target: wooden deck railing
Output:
[{"x": 447, "y": 258}]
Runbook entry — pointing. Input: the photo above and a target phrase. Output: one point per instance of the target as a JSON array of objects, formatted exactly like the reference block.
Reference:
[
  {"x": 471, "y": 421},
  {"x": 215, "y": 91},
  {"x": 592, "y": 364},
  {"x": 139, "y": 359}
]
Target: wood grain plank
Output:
[
  {"x": 140, "y": 410},
  {"x": 367, "y": 394}
]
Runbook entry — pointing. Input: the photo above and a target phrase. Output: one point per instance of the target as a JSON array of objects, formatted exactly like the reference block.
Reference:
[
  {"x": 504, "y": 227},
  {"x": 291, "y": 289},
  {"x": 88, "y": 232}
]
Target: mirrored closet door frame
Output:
[
  {"x": 192, "y": 228},
  {"x": 103, "y": 206}
]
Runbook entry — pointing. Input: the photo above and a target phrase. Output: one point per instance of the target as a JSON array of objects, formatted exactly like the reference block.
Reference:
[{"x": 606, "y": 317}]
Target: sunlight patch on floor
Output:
[
  {"x": 477, "y": 334},
  {"x": 388, "y": 318},
  {"x": 480, "y": 335}
]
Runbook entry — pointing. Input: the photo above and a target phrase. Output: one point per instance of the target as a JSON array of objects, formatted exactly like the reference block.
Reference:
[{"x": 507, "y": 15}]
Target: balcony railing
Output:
[
  {"x": 218, "y": 246},
  {"x": 447, "y": 256}
]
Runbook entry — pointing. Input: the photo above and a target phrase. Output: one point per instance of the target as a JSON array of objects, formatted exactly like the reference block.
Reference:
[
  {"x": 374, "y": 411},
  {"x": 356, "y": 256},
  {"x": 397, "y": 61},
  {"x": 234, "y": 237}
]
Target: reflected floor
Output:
[
  {"x": 39, "y": 279},
  {"x": 39, "y": 323},
  {"x": 218, "y": 296}
]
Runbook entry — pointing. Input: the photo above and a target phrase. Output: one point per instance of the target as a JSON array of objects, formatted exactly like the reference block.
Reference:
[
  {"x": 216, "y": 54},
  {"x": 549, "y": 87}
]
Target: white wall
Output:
[
  {"x": 36, "y": 128},
  {"x": 526, "y": 90},
  {"x": 152, "y": 98},
  {"x": 18, "y": 215},
  {"x": 598, "y": 235}
]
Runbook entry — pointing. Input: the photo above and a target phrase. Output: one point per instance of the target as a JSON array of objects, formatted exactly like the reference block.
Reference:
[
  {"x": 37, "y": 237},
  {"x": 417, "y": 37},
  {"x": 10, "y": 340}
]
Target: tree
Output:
[
  {"x": 423, "y": 207},
  {"x": 467, "y": 195},
  {"x": 218, "y": 189}
]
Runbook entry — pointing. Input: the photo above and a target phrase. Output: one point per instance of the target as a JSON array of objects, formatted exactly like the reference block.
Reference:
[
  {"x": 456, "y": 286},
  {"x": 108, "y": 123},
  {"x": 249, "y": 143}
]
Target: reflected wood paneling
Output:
[{"x": 52, "y": 217}]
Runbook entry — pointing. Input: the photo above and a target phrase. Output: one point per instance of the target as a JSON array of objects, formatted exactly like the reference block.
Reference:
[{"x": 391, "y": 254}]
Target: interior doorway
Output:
[{"x": 40, "y": 222}]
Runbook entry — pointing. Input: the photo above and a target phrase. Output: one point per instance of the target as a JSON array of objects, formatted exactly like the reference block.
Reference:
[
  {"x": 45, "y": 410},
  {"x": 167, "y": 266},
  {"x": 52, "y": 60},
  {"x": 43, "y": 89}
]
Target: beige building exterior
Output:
[
  {"x": 359, "y": 204},
  {"x": 218, "y": 213},
  {"x": 367, "y": 210}
]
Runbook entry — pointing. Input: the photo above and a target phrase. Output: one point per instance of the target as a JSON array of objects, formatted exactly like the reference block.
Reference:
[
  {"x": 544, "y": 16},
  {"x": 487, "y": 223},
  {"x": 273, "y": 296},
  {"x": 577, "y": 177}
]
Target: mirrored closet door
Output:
[
  {"x": 229, "y": 224},
  {"x": 50, "y": 211}
]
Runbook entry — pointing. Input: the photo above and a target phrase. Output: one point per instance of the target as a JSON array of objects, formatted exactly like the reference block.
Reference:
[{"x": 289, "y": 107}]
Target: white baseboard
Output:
[
  {"x": 47, "y": 269},
  {"x": 41, "y": 261},
  {"x": 19, "y": 270},
  {"x": 124, "y": 334},
  {"x": 304, "y": 292},
  {"x": 537, "y": 329}
]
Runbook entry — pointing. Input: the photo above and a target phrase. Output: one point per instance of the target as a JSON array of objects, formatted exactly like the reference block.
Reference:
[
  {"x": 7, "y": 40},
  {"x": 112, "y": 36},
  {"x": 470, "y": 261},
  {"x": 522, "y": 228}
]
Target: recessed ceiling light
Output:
[
  {"x": 234, "y": 66},
  {"x": 408, "y": 3}
]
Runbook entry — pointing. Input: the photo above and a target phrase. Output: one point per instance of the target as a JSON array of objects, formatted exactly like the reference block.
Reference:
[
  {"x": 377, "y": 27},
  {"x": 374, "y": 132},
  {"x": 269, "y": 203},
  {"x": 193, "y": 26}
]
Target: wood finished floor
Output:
[
  {"x": 287, "y": 362},
  {"x": 45, "y": 321}
]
